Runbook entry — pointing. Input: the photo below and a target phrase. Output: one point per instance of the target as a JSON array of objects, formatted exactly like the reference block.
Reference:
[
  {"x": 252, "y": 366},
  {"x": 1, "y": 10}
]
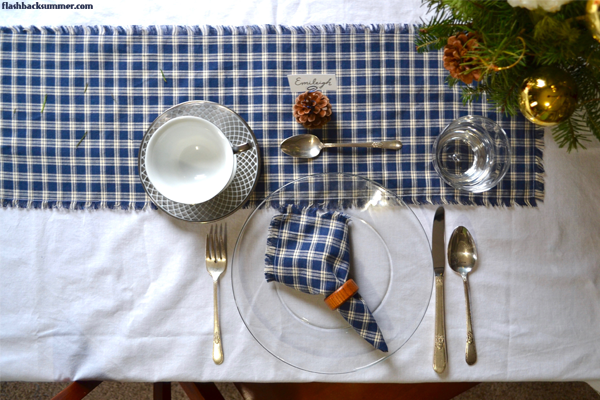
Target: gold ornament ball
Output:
[
  {"x": 548, "y": 96},
  {"x": 593, "y": 17}
]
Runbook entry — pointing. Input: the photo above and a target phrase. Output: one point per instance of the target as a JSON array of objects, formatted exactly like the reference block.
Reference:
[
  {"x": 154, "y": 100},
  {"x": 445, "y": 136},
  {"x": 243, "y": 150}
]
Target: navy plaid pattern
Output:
[
  {"x": 107, "y": 84},
  {"x": 310, "y": 253}
]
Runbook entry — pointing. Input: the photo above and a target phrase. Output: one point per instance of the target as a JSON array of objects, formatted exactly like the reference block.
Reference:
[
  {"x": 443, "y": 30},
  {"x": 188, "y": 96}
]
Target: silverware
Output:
[
  {"x": 242, "y": 147},
  {"x": 440, "y": 352},
  {"x": 216, "y": 263},
  {"x": 309, "y": 146},
  {"x": 462, "y": 256}
]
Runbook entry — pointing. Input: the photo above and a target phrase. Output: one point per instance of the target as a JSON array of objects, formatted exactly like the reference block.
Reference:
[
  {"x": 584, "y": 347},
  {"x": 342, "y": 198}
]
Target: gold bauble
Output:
[
  {"x": 593, "y": 17},
  {"x": 548, "y": 96}
]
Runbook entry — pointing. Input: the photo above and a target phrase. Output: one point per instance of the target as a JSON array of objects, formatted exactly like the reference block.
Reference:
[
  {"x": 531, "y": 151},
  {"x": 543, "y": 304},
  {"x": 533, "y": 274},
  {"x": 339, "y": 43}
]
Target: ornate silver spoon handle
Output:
[
  {"x": 470, "y": 350},
  {"x": 387, "y": 144}
]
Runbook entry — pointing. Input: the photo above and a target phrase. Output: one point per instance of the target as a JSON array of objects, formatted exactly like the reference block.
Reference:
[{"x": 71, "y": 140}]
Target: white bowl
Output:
[{"x": 189, "y": 160}]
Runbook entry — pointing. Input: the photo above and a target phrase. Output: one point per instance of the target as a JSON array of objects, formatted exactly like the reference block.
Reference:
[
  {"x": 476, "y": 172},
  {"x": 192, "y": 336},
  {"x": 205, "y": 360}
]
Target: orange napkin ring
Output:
[{"x": 337, "y": 298}]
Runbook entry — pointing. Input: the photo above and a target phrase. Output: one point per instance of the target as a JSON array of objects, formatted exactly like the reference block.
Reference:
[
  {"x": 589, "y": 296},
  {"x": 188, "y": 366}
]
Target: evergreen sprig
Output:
[{"x": 512, "y": 43}]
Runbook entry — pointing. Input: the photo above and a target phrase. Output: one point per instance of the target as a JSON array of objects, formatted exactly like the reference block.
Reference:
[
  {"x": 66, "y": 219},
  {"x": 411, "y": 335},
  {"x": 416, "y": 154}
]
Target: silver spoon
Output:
[
  {"x": 309, "y": 146},
  {"x": 462, "y": 256},
  {"x": 242, "y": 147}
]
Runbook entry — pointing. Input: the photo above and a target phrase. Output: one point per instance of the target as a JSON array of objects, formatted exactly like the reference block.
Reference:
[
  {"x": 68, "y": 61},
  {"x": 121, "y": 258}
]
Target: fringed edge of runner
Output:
[
  {"x": 539, "y": 167},
  {"x": 208, "y": 30},
  {"x": 77, "y": 205}
]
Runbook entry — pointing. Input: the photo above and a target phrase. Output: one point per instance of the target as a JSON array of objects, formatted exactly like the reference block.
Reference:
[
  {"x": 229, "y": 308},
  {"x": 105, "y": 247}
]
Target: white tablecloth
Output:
[{"x": 124, "y": 295}]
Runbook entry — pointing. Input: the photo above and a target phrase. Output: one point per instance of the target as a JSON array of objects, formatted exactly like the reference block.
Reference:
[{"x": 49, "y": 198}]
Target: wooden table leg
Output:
[
  {"x": 162, "y": 390},
  {"x": 352, "y": 391},
  {"x": 76, "y": 390},
  {"x": 201, "y": 391}
]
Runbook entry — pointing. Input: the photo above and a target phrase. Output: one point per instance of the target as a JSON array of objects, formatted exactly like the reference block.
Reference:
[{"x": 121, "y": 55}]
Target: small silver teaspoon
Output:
[
  {"x": 462, "y": 256},
  {"x": 309, "y": 146},
  {"x": 241, "y": 148}
]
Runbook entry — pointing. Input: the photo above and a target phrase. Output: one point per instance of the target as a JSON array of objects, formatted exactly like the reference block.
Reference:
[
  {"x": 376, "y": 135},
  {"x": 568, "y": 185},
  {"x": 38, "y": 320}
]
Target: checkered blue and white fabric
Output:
[
  {"x": 310, "y": 253},
  {"x": 75, "y": 103}
]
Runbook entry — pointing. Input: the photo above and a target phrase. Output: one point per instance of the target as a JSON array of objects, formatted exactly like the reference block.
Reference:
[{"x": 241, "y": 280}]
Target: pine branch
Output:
[
  {"x": 452, "y": 81},
  {"x": 566, "y": 134},
  {"x": 592, "y": 117},
  {"x": 587, "y": 78},
  {"x": 512, "y": 43},
  {"x": 473, "y": 93}
]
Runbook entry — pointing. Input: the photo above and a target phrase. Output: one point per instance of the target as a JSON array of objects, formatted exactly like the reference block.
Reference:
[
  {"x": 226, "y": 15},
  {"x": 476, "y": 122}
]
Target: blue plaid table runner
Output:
[{"x": 75, "y": 103}]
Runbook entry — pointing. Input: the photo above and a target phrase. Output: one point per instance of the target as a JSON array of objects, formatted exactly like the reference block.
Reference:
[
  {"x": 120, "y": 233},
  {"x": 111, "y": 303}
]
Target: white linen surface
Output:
[
  {"x": 121, "y": 295},
  {"x": 231, "y": 12}
]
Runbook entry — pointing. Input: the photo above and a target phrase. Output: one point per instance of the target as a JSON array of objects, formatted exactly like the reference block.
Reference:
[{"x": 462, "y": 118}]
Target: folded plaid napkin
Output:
[{"x": 310, "y": 253}]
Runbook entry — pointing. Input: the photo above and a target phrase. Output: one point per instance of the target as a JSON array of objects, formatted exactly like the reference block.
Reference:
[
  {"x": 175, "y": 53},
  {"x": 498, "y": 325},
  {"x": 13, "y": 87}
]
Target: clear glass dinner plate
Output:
[{"x": 390, "y": 261}]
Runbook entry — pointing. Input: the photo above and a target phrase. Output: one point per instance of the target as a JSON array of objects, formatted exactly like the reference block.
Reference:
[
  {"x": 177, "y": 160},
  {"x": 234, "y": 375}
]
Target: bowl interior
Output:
[{"x": 189, "y": 160}]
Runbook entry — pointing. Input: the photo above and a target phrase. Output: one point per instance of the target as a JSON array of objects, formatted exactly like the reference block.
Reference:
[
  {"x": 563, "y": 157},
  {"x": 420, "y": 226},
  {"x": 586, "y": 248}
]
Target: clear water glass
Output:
[{"x": 472, "y": 154}]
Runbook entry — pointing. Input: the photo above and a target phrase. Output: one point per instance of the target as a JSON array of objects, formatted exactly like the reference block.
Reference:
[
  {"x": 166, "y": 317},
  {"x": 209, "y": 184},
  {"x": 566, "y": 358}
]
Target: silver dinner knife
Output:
[{"x": 440, "y": 353}]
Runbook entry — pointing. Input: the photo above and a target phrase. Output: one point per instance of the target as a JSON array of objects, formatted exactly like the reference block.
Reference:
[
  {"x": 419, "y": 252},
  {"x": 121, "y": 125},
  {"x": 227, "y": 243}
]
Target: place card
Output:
[{"x": 303, "y": 83}]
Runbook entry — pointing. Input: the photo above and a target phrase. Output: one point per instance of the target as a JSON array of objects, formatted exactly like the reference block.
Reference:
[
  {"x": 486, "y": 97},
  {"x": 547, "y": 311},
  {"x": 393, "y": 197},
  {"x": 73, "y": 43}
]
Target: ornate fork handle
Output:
[{"x": 217, "y": 345}]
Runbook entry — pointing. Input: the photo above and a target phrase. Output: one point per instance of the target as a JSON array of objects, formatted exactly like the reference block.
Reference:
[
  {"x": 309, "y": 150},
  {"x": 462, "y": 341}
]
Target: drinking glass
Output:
[{"x": 472, "y": 154}]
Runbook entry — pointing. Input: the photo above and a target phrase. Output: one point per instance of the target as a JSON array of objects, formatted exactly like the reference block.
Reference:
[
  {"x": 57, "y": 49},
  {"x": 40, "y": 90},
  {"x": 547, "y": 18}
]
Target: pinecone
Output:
[
  {"x": 455, "y": 54},
  {"x": 312, "y": 109}
]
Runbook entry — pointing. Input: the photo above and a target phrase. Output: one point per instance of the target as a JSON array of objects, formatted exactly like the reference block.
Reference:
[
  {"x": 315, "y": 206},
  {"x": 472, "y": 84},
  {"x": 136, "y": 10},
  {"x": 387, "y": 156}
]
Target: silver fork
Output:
[{"x": 216, "y": 263}]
